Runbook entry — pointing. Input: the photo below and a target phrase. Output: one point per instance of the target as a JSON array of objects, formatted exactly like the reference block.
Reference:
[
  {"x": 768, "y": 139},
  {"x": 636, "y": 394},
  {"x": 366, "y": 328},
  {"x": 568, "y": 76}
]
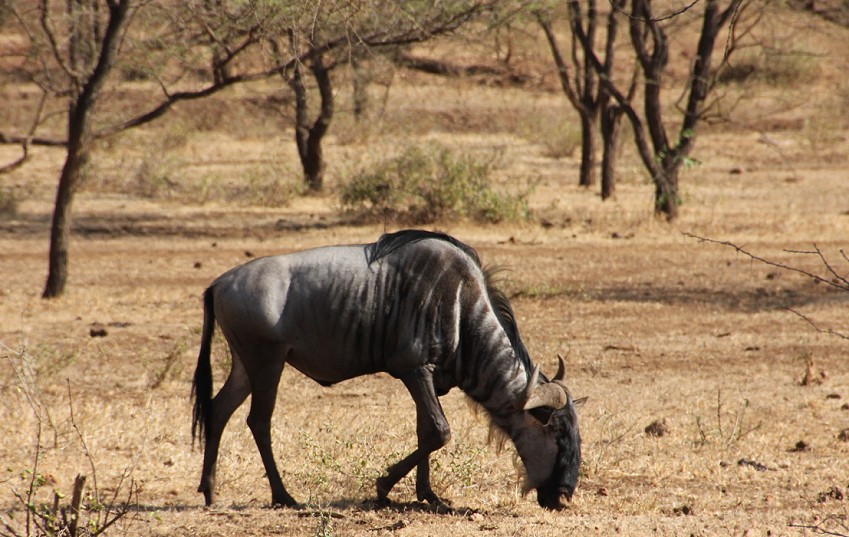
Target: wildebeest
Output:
[{"x": 415, "y": 304}]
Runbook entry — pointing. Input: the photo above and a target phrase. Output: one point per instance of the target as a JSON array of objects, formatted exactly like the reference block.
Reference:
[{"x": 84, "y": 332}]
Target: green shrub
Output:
[{"x": 428, "y": 183}]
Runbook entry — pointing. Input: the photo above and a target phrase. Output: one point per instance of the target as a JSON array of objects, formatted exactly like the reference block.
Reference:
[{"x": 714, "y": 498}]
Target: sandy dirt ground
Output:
[{"x": 731, "y": 354}]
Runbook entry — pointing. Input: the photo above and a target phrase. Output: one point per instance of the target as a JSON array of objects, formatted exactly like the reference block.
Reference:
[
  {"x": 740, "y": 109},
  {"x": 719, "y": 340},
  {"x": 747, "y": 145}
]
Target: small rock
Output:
[
  {"x": 602, "y": 491},
  {"x": 735, "y": 171},
  {"x": 843, "y": 435},
  {"x": 844, "y": 406},
  {"x": 753, "y": 464},
  {"x": 198, "y": 264},
  {"x": 833, "y": 493},
  {"x": 248, "y": 253},
  {"x": 657, "y": 428},
  {"x": 685, "y": 510},
  {"x": 833, "y": 396},
  {"x": 98, "y": 330},
  {"x": 800, "y": 446}
]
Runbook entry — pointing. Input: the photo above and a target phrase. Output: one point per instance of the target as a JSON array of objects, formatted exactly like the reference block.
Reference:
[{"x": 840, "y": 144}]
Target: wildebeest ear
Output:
[{"x": 578, "y": 403}]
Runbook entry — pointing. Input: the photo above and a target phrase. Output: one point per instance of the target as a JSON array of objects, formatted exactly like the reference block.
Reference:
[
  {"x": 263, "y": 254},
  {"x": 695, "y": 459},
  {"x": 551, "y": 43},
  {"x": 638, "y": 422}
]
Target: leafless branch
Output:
[
  {"x": 377, "y": 39},
  {"x": 650, "y": 19},
  {"x": 838, "y": 522},
  {"x": 51, "y": 38},
  {"x": 25, "y": 143},
  {"x": 562, "y": 68},
  {"x": 825, "y": 262},
  {"x": 844, "y": 286},
  {"x": 86, "y": 451},
  {"x": 828, "y": 331},
  {"x": 838, "y": 281}
]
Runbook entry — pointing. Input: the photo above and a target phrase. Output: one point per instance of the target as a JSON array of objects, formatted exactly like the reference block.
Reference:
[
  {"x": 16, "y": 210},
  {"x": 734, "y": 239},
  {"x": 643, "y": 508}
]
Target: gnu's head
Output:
[{"x": 552, "y": 465}]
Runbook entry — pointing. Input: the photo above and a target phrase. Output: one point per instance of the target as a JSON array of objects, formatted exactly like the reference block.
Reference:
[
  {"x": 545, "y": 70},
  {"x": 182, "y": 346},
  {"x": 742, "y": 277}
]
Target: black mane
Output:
[{"x": 391, "y": 242}]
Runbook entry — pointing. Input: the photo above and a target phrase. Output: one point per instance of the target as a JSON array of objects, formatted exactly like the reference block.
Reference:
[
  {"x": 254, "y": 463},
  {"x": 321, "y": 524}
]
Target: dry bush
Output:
[
  {"x": 39, "y": 507},
  {"x": 430, "y": 183}
]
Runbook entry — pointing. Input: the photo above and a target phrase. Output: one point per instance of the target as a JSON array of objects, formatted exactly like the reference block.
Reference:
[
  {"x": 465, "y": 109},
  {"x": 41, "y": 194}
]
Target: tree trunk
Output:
[
  {"x": 79, "y": 118},
  {"x": 611, "y": 122},
  {"x": 57, "y": 276},
  {"x": 309, "y": 137},
  {"x": 666, "y": 196},
  {"x": 588, "y": 149}
]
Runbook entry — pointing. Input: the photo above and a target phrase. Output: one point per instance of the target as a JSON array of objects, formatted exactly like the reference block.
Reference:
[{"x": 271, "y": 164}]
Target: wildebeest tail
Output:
[{"x": 202, "y": 385}]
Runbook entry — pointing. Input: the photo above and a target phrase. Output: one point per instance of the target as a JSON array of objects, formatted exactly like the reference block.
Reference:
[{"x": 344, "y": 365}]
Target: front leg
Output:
[
  {"x": 432, "y": 431},
  {"x": 424, "y": 492}
]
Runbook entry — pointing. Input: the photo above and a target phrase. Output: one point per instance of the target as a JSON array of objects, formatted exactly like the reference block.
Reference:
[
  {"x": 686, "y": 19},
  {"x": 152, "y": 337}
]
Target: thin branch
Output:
[
  {"x": 86, "y": 451},
  {"x": 28, "y": 140},
  {"x": 818, "y": 252},
  {"x": 820, "y": 529},
  {"x": 745, "y": 252},
  {"x": 377, "y": 39},
  {"x": 649, "y": 18},
  {"x": 49, "y": 142},
  {"x": 562, "y": 68},
  {"x": 824, "y": 261},
  {"x": 12, "y": 531},
  {"x": 54, "y": 45},
  {"x": 828, "y": 331}
]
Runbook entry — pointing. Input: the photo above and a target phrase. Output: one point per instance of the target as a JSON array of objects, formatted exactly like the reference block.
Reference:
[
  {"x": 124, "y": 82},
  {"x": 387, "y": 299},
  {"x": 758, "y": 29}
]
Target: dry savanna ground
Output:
[{"x": 655, "y": 326}]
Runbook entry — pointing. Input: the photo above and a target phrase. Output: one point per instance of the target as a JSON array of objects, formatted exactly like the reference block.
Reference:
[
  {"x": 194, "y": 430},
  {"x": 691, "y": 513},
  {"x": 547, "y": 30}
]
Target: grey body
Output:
[{"x": 416, "y": 305}]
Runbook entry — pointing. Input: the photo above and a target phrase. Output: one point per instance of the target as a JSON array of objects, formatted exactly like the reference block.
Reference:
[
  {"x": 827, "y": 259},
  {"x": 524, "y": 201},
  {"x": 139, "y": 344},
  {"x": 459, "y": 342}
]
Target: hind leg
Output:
[
  {"x": 234, "y": 392},
  {"x": 264, "y": 382}
]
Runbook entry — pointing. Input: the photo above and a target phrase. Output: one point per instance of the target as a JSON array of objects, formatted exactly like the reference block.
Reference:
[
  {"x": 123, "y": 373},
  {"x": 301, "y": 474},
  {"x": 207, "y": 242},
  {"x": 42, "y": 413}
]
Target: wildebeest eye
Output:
[{"x": 542, "y": 414}]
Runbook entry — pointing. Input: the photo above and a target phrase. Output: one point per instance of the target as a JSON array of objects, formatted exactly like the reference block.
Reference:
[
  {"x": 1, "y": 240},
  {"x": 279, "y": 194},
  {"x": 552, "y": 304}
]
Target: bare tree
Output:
[
  {"x": 74, "y": 46},
  {"x": 85, "y": 56},
  {"x": 662, "y": 155},
  {"x": 358, "y": 32},
  {"x": 581, "y": 85},
  {"x": 829, "y": 276}
]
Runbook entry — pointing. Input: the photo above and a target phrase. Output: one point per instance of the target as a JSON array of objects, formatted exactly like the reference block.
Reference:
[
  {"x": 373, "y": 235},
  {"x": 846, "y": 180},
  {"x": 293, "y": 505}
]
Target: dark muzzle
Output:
[{"x": 551, "y": 497}]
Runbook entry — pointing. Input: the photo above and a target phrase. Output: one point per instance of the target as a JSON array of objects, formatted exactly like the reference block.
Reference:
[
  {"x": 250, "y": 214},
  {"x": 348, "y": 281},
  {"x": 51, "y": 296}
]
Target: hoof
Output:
[
  {"x": 440, "y": 507},
  {"x": 383, "y": 489},
  {"x": 208, "y": 496},
  {"x": 284, "y": 501},
  {"x": 436, "y": 503}
]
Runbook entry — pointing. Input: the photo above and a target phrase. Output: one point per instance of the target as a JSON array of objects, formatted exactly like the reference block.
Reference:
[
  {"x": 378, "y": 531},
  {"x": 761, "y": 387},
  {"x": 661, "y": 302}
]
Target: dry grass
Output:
[{"x": 655, "y": 326}]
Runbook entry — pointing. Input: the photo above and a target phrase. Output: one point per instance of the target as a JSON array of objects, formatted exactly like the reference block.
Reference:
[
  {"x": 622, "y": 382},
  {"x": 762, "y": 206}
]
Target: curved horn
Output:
[
  {"x": 551, "y": 394},
  {"x": 532, "y": 383},
  {"x": 561, "y": 369}
]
